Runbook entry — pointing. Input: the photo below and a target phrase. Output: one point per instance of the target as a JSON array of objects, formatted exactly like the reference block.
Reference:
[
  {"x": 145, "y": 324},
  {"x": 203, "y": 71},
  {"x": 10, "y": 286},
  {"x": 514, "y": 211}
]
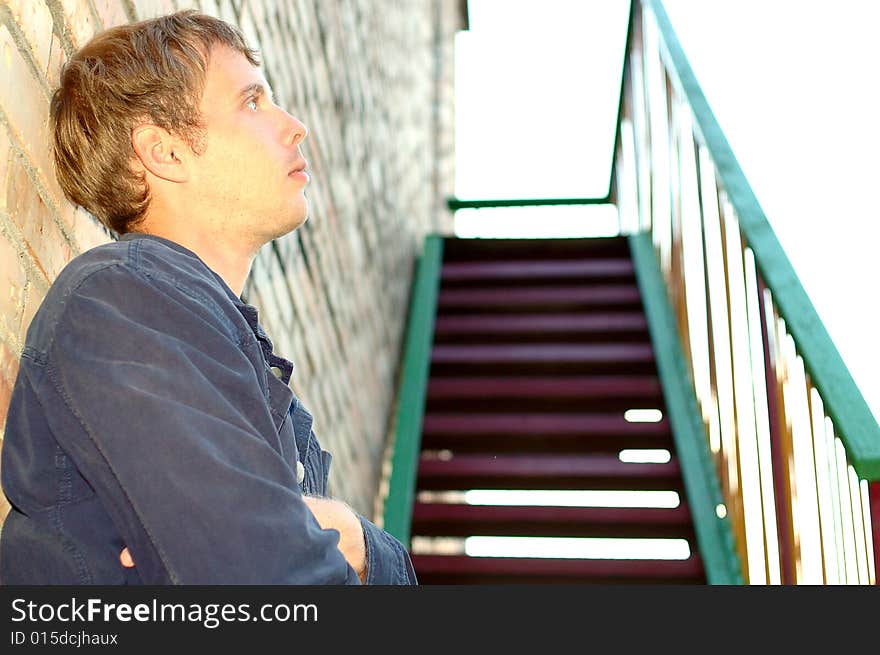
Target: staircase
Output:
[{"x": 539, "y": 348}]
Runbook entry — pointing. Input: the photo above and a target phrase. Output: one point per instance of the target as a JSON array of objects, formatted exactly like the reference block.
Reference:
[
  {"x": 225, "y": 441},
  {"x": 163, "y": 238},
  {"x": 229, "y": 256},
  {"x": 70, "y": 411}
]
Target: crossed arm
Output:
[{"x": 330, "y": 514}]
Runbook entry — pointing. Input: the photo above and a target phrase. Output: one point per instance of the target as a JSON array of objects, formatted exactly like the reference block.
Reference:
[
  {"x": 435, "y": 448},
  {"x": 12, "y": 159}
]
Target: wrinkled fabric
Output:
[{"x": 150, "y": 412}]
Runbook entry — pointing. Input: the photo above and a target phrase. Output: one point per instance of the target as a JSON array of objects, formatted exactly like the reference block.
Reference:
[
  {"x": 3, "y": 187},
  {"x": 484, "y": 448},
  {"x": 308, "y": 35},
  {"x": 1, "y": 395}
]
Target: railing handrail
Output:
[
  {"x": 398, "y": 507},
  {"x": 714, "y": 534},
  {"x": 454, "y": 204},
  {"x": 843, "y": 402}
]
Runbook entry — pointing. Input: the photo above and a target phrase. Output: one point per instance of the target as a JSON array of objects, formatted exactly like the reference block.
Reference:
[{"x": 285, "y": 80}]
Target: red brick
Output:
[
  {"x": 27, "y": 109},
  {"x": 110, "y": 12},
  {"x": 25, "y": 206},
  {"x": 23, "y": 100},
  {"x": 34, "y": 295},
  {"x": 34, "y": 20},
  {"x": 50, "y": 248},
  {"x": 8, "y": 371},
  {"x": 5, "y": 156},
  {"x": 80, "y": 25},
  {"x": 87, "y": 231},
  {"x": 152, "y": 8},
  {"x": 57, "y": 57},
  {"x": 210, "y": 7},
  {"x": 12, "y": 282}
]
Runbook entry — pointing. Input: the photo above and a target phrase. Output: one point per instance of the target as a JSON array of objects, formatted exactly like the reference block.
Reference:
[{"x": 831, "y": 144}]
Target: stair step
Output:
[
  {"x": 442, "y": 519},
  {"x": 462, "y": 569},
  {"x": 538, "y": 299},
  {"x": 543, "y": 394},
  {"x": 611, "y": 386},
  {"x": 531, "y": 271},
  {"x": 558, "y": 325},
  {"x": 534, "y": 432},
  {"x": 601, "y": 472},
  {"x": 550, "y": 353},
  {"x": 541, "y": 359},
  {"x": 457, "y": 249}
]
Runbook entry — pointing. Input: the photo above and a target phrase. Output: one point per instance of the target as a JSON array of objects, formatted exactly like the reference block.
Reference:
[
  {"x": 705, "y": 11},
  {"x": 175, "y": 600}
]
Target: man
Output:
[{"x": 152, "y": 436}]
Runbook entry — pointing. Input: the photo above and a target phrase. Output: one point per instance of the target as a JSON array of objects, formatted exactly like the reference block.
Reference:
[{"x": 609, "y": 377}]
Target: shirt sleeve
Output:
[
  {"x": 164, "y": 415},
  {"x": 388, "y": 563}
]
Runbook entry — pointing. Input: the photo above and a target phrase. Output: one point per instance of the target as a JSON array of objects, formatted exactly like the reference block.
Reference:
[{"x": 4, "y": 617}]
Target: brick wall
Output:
[{"x": 373, "y": 82}]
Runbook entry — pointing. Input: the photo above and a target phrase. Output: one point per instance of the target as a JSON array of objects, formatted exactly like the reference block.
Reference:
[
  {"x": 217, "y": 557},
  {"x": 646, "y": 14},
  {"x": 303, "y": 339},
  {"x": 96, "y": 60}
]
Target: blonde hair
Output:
[{"x": 152, "y": 71}]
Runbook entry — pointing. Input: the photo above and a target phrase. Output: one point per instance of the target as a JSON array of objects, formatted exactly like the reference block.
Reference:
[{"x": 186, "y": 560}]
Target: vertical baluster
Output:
[
  {"x": 823, "y": 486},
  {"x": 807, "y": 513},
  {"x": 836, "y": 511},
  {"x": 640, "y": 121},
  {"x": 778, "y": 436},
  {"x": 694, "y": 273},
  {"x": 627, "y": 184},
  {"x": 717, "y": 299},
  {"x": 658, "y": 122},
  {"x": 762, "y": 418},
  {"x": 871, "y": 509},
  {"x": 850, "y": 560},
  {"x": 744, "y": 403},
  {"x": 858, "y": 526}
]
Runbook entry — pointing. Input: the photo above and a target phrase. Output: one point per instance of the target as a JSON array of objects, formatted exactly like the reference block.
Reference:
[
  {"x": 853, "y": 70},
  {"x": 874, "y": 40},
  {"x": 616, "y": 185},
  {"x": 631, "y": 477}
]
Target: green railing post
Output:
[
  {"x": 703, "y": 490},
  {"x": 454, "y": 204},
  {"x": 413, "y": 389}
]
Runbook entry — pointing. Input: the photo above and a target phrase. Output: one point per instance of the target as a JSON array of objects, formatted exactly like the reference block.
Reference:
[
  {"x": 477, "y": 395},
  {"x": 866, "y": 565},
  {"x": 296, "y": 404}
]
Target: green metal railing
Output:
[
  {"x": 454, "y": 204},
  {"x": 413, "y": 388},
  {"x": 787, "y": 443},
  {"x": 794, "y": 443}
]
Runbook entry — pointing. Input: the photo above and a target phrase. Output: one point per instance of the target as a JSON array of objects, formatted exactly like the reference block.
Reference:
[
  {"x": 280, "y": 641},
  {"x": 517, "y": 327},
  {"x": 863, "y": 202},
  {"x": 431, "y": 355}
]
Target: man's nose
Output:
[{"x": 297, "y": 131}]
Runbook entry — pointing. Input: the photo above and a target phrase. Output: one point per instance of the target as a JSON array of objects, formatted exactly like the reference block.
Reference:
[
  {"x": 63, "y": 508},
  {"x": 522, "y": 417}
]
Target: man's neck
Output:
[{"x": 231, "y": 264}]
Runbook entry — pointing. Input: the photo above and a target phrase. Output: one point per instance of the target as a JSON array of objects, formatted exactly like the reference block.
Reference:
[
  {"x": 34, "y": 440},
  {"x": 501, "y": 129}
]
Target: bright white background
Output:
[{"x": 795, "y": 85}]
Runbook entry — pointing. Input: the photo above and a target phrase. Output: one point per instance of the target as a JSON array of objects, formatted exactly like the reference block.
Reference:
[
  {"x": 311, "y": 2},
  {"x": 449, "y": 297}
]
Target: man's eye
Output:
[{"x": 252, "y": 101}]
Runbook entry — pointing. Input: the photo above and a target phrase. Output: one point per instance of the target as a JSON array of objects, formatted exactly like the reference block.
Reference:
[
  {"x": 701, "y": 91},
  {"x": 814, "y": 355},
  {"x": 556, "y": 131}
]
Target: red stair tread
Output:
[
  {"x": 490, "y": 520},
  {"x": 451, "y": 569},
  {"x": 596, "y": 471},
  {"x": 535, "y": 423},
  {"x": 511, "y": 323},
  {"x": 606, "y": 294},
  {"x": 611, "y": 386},
  {"x": 456, "y": 249},
  {"x": 543, "y": 353},
  {"x": 531, "y": 269},
  {"x": 539, "y": 432}
]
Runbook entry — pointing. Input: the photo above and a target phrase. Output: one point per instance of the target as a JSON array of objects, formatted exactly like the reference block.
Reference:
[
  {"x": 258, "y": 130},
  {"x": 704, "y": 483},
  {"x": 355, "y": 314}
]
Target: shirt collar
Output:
[{"x": 129, "y": 236}]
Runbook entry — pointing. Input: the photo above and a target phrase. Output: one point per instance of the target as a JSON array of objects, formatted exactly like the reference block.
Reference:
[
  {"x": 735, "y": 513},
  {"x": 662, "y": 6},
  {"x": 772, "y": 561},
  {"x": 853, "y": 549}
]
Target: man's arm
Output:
[
  {"x": 165, "y": 417},
  {"x": 387, "y": 561}
]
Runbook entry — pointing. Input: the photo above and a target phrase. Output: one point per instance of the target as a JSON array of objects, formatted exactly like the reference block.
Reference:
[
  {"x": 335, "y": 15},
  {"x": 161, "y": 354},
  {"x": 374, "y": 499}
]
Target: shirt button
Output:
[
  {"x": 277, "y": 371},
  {"x": 300, "y": 473}
]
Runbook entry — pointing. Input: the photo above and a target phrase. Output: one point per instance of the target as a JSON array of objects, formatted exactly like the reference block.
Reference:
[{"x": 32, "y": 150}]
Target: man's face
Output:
[{"x": 245, "y": 175}]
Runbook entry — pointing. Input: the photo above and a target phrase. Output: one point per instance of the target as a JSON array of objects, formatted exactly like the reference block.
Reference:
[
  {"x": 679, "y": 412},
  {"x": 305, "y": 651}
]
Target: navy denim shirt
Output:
[{"x": 150, "y": 412}]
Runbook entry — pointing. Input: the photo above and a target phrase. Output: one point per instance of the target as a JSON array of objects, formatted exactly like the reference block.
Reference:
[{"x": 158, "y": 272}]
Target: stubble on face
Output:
[{"x": 243, "y": 168}]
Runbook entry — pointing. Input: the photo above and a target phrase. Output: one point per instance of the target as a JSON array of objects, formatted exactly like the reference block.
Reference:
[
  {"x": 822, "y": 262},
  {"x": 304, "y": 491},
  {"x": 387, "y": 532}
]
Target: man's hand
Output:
[
  {"x": 329, "y": 514},
  {"x": 335, "y": 514}
]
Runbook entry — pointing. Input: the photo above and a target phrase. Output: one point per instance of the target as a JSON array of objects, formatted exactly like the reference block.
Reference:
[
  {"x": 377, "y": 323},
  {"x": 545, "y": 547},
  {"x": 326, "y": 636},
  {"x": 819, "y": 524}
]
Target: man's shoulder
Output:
[{"x": 121, "y": 273}]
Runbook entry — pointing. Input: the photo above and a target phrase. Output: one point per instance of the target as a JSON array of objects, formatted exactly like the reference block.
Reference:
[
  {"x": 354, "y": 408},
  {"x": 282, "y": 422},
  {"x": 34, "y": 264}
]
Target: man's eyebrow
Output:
[{"x": 255, "y": 89}]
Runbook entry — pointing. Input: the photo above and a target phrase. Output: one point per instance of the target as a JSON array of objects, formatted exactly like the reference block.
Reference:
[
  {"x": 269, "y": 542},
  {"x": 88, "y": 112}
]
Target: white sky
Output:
[{"x": 793, "y": 83}]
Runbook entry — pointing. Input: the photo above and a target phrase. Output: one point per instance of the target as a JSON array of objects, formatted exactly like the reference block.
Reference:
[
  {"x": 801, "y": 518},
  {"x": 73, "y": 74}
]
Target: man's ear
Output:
[{"x": 160, "y": 153}]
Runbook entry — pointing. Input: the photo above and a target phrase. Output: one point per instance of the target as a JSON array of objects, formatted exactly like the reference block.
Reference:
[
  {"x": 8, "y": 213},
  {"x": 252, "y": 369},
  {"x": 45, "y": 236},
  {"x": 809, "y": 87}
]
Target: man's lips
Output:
[{"x": 299, "y": 167}]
